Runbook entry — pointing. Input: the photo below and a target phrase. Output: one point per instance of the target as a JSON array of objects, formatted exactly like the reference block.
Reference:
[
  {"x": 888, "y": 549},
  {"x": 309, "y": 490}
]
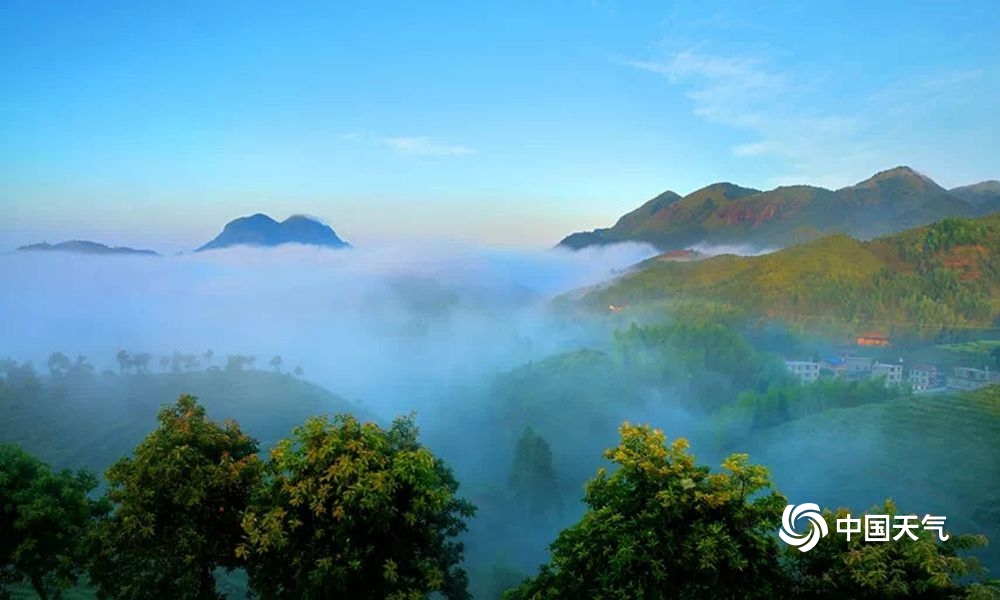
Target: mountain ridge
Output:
[{"x": 725, "y": 213}]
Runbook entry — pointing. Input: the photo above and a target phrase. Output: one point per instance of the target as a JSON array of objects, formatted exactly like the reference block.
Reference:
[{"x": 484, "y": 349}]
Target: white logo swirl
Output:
[{"x": 817, "y": 526}]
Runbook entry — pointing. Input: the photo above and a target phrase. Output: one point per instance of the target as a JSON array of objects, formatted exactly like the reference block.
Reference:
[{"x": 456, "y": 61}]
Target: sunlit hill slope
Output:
[{"x": 932, "y": 277}]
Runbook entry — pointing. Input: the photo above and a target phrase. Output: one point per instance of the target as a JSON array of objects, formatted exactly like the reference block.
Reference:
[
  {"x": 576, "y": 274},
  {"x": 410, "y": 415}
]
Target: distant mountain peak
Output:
[
  {"x": 84, "y": 247},
  {"x": 261, "y": 230},
  {"x": 985, "y": 195},
  {"x": 727, "y": 189},
  {"x": 896, "y": 173},
  {"x": 991, "y": 186}
]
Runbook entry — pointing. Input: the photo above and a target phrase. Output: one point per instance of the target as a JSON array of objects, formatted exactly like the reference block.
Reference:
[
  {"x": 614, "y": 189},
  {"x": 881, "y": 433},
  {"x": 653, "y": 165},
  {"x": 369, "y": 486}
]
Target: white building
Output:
[
  {"x": 967, "y": 378},
  {"x": 892, "y": 373},
  {"x": 922, "y": 377},
  {"x": 858, "y": 367},
  {"x": 806, "y": 371}
]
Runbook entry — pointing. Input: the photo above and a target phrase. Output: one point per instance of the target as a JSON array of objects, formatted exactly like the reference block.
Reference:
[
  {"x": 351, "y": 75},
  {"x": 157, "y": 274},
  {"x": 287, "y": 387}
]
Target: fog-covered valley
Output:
[{"x": 475, "y": 343}]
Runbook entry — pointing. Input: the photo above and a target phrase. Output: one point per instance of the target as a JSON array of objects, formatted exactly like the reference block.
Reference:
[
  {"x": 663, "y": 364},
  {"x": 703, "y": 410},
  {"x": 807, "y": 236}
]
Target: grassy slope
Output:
[{"x": 933, "y": 454}]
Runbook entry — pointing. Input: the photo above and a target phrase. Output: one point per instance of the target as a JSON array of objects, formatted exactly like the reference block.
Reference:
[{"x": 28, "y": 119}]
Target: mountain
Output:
[
  {"x": 724, "y": 213},
  {"x": 934, "y": 277},
  {"x": 83, "y": 247},
  {"x": 984, "y": 196},
  {"x": 262, "y": 230}
]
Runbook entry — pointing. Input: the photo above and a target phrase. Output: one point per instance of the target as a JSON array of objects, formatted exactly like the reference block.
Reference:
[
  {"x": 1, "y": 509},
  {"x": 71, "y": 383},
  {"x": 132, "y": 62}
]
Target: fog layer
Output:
[{"x": 362, "y": 322}]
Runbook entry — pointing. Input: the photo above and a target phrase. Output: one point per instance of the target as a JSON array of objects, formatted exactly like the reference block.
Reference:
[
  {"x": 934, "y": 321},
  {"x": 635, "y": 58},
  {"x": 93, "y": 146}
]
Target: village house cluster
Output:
[{"x": 920, "y": 377}]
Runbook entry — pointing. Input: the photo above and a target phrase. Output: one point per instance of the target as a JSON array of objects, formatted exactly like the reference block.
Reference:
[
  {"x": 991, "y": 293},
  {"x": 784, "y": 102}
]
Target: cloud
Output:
[
  {"x": 737, "y": 249},
  {"x": 745, "y": 93},
  {"x": 411, "y": 145},
  {"x": 423, "y": 146},
  {"x": 726, "y": 90},
  {"x": 789, "y": 116},
  {"x": 956, "y": 77}
]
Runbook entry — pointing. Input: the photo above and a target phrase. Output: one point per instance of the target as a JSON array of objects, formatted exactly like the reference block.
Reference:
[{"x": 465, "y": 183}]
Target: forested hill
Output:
[
  {"x": 943, "y": 275},
  {"x": 723, "y": 213}
]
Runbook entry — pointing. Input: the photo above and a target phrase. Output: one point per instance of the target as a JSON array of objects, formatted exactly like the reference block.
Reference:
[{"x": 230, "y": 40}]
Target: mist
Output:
[
  {"x": 424, "y": 313},
  {"x": 737, "y": 249}
]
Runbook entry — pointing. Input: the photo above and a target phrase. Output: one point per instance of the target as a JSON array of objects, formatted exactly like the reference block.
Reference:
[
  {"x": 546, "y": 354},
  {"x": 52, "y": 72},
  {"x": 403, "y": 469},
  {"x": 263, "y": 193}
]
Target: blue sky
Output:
[{"x": 513, "y": 123}]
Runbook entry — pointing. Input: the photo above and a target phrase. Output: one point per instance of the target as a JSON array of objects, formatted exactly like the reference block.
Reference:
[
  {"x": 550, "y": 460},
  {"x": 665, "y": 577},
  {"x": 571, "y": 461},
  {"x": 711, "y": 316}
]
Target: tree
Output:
[
  {"x": 236, "y": 362},
  {"x": 190, "y": 361},
  {"x": 661, "y": 526},
  {"x": 19, "y": 376},
  {"x": 298, "y": 372},
  {"x": 276, "y": 363},
  {"x": 43, "y": 515},
  {"x": 59, "y": 365},
  {"x": 124, "y": 360},
  {"x": 842, "y": 569},
  {"x": 176, "y": 362},
  {"x": 349, "y": 510},
  {"x": 141, "y": 361},
  {"x": 532, "y": 479},
  {"x": 207, "y": 355},
  {"x": 82, "y": 368},
  {"x": 178, "y": 503}
]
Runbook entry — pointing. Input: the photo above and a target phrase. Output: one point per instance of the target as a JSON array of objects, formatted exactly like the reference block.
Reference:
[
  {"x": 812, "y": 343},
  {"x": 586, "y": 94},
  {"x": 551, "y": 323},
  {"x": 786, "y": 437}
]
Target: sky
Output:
[{"x": 152, "y": 124}]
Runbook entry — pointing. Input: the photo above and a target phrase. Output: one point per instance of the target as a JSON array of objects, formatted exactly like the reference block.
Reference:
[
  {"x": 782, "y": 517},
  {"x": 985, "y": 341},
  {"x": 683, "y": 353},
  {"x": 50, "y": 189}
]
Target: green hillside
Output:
[
  {"x": 930, "y": 278},
  {"x": 95, "y": 421},
  {"x": 724, "y": 213}
]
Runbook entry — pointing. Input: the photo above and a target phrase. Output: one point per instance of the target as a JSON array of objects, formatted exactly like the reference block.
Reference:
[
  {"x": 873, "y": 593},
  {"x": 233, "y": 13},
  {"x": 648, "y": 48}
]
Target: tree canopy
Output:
[
  {"x": 43, "y": 515},
  {"x": 662, "y": 526},
  {"x": 178, "y": 504},
  {"x": 351, "y": 510}
]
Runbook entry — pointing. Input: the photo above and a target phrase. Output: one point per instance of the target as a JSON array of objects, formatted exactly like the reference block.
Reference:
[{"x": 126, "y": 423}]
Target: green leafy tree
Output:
[
  {"x": 921, "y": 569},
  {"x": 350, "y": 510},
  {"x": 178, "y": 506},
  {"x": 43, "y": 515},
  {"x": 662, "y": 526},
  {"x": 532, "y": 478}
]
